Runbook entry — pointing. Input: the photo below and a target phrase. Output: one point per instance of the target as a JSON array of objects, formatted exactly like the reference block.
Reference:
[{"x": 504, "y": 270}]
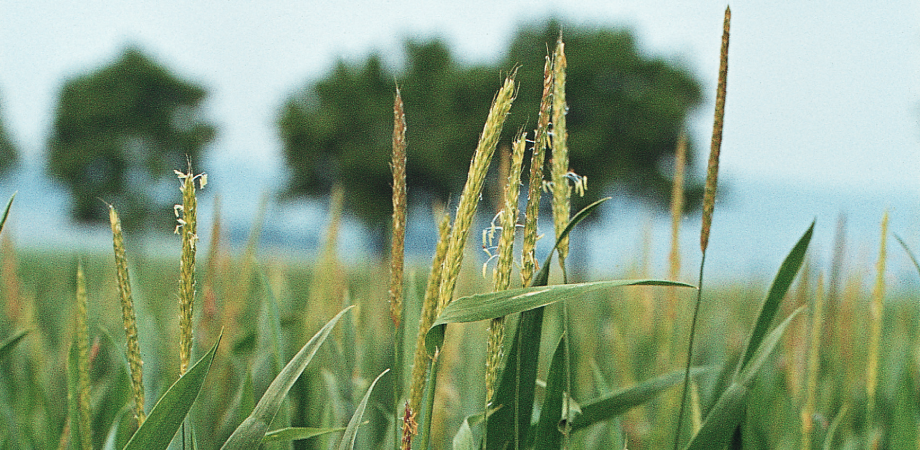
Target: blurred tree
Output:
[
  {"x": 9, "y": 155},
  {"x": 340, "y": 128},
  {"x": 625, "y": 115},
  {"x": 119, "y": 133},
  {"x": 626, "y": 110}
]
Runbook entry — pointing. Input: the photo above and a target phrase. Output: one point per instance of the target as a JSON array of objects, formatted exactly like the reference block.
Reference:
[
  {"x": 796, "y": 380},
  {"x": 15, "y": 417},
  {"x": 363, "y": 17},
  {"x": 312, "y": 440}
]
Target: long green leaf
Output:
[
  {"x": 6, "y": 212},
  {"x": 615, "y": 404},
  {"x": 251, "y": 432},
  {"x": 728, "y": 412},
  {"x": 119, "y": 428},
  {"x": 778, "y": 289},
  {"x": 832, "y": 429},
  {"x": 515, "y": 393},
  {"x": 502, "y": 303},
  {"x": 465, "y": 439},
  {"x": 272, "y": 319},
  {"x": 8, "y": 345},
  {"x": 168, "y": 414},
  {"x": 547, "y": 435},
  {"x": 720, "y": 424},
  {"x": 766, "y": 347},
  {"x": 351, "y": 432},
  {"x": 297, "y": 433}
]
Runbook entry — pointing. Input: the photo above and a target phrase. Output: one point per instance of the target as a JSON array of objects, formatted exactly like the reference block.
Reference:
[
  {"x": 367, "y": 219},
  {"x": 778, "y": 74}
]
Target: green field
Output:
[
  {"x": 234, "y": 349},
  {"x": 617, "y": 342}
]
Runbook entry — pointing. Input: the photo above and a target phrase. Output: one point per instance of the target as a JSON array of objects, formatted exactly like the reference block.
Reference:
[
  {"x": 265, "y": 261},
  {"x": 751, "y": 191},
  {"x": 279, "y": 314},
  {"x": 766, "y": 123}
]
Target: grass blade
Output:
[
  {"x": 832, "y": 429},
  {"x": 728, "y": 412},
  {"x": 487, "y": 306},
  {"x": 250, "y": 433},
  {"x": 910, "y": 254},
  {"x": 119, "y": 430},
  {"x": 615, "y": 404},
  {"x": 514, "y": 397},
  {"x": 547, "y": 435},
  {"x": 722, "y": 420},
  {"x": 7, "y": 346},
  {"x": 297, "y": 433},
  {"x": 6, "y": 212},
  {"x": 169, "y": 412},
  {"x": 351, "y": 432},
  {"x": 778, "y": 289},
  {"x": 465, "y": 439},
  {"x": 764, "y": 350}
]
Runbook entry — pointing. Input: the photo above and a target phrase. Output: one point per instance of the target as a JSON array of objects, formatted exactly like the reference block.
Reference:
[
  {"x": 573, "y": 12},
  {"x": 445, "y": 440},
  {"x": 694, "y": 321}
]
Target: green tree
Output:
[
  {"x": 339, "y": 129},
  {"x": 119, "y": 133},
  {"x": 9, "y": 155},
  {"x": 625, "y": 115},
  {"x": 626, "y": 110}
]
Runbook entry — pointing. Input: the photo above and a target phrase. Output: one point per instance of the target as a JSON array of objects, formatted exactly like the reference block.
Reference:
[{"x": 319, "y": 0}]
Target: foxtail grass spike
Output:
[
  {"x": 82, "y": 342},
  {"x": 135, "y": 364},
  {"x": 529, "y": 244},
  {"x": 187, "y": 218},
  {"x": 502, "y": 274},
  {"x": 429, "y": 311},
  {"x": 469, "y": 197},
  {"x": 397, "y": 246},
  {"x": 876, "y": 314},
  {"x": 709, "y": 202},
  {"x": 559, "y": 168},
  {"x": 712, "y": 171}
]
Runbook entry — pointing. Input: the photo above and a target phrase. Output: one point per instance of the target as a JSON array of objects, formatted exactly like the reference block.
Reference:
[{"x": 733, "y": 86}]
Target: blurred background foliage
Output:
[
  {"x": 626, "y": 111},
  {"x": 118, "y": 134}
]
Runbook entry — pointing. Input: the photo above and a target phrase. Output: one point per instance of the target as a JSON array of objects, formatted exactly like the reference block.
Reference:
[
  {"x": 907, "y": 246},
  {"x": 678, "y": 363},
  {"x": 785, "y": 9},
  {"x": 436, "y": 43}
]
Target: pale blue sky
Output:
[{"x": 821, "y": 90}]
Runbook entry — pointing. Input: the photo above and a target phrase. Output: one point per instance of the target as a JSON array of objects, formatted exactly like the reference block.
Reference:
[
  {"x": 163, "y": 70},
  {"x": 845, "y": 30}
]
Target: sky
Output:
[{"x": 820, "y": 94}]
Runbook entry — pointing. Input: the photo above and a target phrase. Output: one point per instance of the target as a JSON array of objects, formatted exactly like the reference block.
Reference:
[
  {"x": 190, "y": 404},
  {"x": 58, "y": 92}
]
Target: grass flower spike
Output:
[
  {"x": 712, "y": 170},
  {"x": 187, "y": 218},
  {"x": 398, "y": 166},
  {"x": 709, "y": 202},
  {"x": 535, "y": 184},
  {"x": 502, "y": 274},
  {"x": 469, "y": 197},
  {"x": 559, "y": 169},
  {"x": 135, "y": 364}
]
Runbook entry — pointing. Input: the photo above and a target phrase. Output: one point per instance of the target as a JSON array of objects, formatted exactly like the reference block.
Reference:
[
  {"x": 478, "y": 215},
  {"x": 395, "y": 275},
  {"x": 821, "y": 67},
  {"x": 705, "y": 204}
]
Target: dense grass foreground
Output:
[{"x": 239, "y": 352}]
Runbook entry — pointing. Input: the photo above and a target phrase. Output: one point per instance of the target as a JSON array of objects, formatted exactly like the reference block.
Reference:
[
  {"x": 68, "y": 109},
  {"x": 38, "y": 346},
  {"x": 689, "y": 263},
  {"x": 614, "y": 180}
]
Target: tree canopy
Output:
[
  {"x": 119, "y": 133},
  {"x": 626, "y": 112}
]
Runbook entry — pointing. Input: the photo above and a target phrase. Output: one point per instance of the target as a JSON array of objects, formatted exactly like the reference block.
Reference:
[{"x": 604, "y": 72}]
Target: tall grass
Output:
[{"x": 284, "y": 354}]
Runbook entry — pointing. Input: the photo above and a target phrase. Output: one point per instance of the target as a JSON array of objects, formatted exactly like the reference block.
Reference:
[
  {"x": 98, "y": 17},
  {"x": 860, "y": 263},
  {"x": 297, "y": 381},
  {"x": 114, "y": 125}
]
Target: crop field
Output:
[{"x": 238, "y": 350}]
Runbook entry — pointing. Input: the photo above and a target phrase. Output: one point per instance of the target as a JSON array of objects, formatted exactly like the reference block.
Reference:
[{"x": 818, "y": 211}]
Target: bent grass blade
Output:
[
  {"x": 169, "y": 412},
  {"x": 251, "y": 432}
]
